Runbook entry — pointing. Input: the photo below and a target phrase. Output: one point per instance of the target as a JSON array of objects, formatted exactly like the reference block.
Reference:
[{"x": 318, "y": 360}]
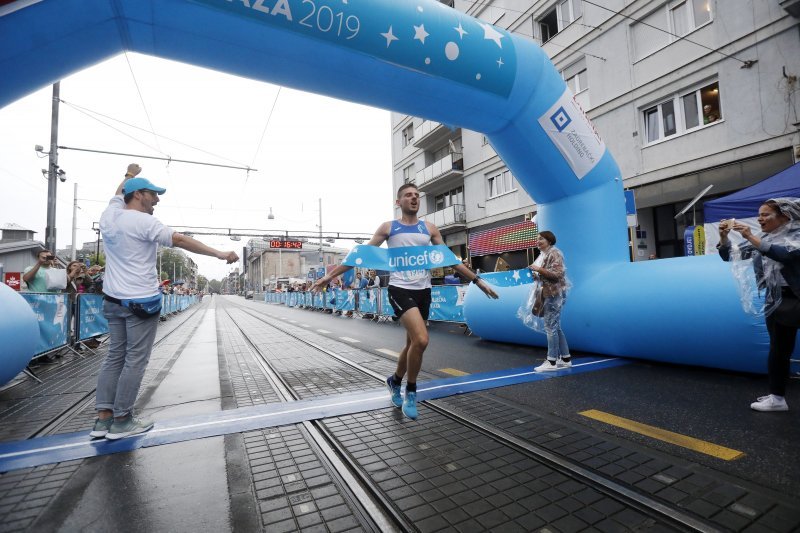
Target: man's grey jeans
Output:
[{"x": 128, "y": 354}]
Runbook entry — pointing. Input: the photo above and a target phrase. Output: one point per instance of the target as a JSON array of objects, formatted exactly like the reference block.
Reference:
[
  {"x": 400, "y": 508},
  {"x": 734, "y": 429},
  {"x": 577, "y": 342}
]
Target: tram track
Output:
[{"x": 661, "y": 512}]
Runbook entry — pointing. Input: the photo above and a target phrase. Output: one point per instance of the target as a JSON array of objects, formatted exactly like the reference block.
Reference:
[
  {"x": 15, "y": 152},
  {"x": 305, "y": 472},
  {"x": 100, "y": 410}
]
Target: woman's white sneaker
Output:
[
  {"x": 770, "y": 403},
  {"x": 547, "y": 366}
]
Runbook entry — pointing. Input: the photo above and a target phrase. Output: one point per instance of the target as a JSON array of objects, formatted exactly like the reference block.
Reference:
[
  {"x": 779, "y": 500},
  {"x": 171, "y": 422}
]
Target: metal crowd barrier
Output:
[{"x": 62, "y": 324}]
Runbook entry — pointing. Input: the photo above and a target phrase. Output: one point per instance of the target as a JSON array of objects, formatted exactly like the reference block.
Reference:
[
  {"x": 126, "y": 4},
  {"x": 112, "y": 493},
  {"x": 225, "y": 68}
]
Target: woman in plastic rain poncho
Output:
[
  {"x": 550, "y": 274},
  {"x": 776, "y": 262}
]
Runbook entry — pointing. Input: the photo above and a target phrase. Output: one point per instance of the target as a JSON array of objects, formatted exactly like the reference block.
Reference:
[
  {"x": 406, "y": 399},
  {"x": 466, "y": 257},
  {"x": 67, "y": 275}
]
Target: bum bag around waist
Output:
[{"x": 141, "y": 307}]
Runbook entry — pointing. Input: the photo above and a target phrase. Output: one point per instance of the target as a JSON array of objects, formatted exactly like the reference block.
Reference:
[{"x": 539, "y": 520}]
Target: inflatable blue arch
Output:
[{"x": 424, "y": 59}]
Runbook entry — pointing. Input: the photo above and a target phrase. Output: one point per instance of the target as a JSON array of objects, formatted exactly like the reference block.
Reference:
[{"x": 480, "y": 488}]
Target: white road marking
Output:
[
  {"x": 388, "y": 352},
  {"x": 323, "y": 331},
  {"x": 349, "y": 339}
]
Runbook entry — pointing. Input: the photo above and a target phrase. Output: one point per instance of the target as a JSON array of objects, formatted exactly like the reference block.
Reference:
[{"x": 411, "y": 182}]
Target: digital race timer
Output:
[{"x": 286, "y": 244}]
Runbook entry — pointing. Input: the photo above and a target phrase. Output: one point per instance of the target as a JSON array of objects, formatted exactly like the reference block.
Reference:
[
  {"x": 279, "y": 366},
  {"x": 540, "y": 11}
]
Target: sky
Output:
[{"x": 313, "y": 147}]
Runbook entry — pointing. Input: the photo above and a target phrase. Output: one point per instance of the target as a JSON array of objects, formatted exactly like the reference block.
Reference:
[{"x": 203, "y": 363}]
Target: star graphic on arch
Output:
[
  {"x": 515, "y": 275},
  {"x": 461, "y": 31},
  {"x": 420, "y": 33},
  {"x": 389, "y": 36},
  {"x": 500, "y": 62},
  {"x": 492, "y": 34}
]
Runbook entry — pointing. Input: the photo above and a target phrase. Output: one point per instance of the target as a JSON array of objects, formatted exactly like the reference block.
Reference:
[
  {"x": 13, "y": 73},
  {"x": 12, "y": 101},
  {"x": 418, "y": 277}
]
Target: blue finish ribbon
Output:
[{"x": 401, "y": 258}]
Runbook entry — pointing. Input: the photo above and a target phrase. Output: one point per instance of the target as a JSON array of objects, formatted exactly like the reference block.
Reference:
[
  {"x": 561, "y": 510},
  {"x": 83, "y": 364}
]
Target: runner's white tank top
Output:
[{"x": 409, "y": 235}]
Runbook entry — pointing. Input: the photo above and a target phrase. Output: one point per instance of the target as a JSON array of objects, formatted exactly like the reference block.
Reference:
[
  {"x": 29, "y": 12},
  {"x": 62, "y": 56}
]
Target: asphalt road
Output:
[{"x": 706, "y": 404}]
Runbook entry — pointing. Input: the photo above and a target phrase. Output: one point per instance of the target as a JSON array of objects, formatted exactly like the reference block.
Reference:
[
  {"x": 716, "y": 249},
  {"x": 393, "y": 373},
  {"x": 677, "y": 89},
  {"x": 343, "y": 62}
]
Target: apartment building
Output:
[{"x": 685, "y": 93}]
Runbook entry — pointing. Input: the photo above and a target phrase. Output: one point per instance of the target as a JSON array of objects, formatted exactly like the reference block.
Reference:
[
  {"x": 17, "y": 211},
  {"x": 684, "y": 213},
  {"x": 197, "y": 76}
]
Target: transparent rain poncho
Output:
[
  {"x": 749, "y": 282},
  {"x": 524, "y": 311}
]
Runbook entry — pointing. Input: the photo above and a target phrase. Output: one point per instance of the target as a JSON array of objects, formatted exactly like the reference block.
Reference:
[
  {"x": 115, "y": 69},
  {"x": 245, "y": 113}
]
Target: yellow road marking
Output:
[
  {"x": 453, "y": 372},
  {"x": 708, "y": 448}
]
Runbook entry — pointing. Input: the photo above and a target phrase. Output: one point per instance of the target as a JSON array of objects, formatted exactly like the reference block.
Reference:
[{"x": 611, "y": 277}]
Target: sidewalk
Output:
[{"x": 166, "y": 488}]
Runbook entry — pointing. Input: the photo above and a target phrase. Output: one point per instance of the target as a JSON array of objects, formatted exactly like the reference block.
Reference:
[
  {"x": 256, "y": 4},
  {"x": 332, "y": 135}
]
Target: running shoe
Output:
[
  {"x": 410, "y": 405},
  {"x": 101, "y": 427},
  {"x": 394, "y": 391},
  {"x": 129, "y": 426},
  {"x": 561, "y": 364},
  {"x": 770, "y": 403},
  {"x": 547, "y": 366}
]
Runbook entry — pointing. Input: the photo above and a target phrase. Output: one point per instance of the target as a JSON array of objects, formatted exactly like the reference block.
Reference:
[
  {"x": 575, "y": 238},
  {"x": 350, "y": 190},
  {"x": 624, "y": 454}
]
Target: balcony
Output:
[
  {"x": 449, "y": 219},
  {"x": 430, "y": 134},
  {"x": 438, "y": 173}
]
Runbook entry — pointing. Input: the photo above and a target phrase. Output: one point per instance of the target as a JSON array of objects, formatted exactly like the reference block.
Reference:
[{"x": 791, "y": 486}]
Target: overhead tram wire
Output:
[
  {"x": 141, "y": 99},
  {"x": 89, "y": 113},
  {"x": 266, "y": 125},
  {"x": 169, "y": 159},
  {"x": 746, "y": 63}
]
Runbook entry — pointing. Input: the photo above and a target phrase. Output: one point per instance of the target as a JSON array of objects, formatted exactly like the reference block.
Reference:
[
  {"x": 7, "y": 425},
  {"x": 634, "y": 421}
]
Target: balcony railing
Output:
[
  {"x": 424, "y": 129},
  {"x": 452, "y": 164},
  {"x": 449, "y": 216},
  {"x": 430, "y": 134}
]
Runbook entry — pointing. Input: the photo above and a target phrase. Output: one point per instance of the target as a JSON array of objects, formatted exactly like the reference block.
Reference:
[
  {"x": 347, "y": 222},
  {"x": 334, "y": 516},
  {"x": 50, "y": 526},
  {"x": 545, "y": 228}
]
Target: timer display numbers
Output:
[{"x": 286, "y": 244}]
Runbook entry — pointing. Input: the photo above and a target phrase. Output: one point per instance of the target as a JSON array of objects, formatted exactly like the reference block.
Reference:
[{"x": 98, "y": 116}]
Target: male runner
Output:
[{"x": 409, "y": 292}]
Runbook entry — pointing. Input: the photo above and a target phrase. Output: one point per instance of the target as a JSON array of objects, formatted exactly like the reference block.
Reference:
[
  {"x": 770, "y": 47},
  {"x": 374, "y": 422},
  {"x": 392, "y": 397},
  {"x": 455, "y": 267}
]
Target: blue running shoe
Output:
[
  {"x": 410, "y": 405},
  {"x": 394, "y": 390}
]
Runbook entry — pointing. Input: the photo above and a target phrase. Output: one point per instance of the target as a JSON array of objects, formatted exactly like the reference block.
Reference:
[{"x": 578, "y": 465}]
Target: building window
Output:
[
  {"x": 451, "y": 197},
  {"x": 408, "y": 174},
  {"x": 669, "y": 23},
  {"x": 501, "y": 183},
  {"x": 556, "y": 19},
  {"x": 408, "y": 135},
  {"x": 683, "y": 112},
  {"x": 688, "y": 15},
  {"x": 575, "y": 76}
]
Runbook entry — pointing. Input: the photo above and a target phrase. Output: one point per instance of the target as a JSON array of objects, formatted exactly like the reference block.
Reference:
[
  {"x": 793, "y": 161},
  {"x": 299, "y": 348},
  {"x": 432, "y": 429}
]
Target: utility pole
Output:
[
  {"x": 321, "y": 264},
  {"x": 74, "y": 222},
  {"x": 52, "y": 175}
]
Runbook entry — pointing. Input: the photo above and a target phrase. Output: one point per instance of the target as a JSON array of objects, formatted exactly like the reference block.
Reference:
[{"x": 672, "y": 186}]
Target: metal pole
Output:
[
  {"x": 97, "y": 249},
  {"x": 321, "y": 262},
  {"x": 74, "y": 222},
  {"x": 52, "y": 175}
]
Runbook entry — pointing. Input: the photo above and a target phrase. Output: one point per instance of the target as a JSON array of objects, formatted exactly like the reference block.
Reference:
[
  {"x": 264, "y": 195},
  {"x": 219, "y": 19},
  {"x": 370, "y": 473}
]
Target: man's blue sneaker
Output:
[
  {"x": 410, "y": 405},
  {"x": 101, "y": 427},
  {"x": 129, "y": 426},
  {"x": 394, "y": 390}
]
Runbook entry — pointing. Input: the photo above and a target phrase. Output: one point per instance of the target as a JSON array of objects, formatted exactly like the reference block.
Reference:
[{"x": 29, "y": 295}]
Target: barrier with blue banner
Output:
[
  {"x": 345, "y": 300},
  {"x": 368, "y": 301},
  {"x": 91, "y": 321},
  {"x": 386, "y": 307},
  {"x": 52, "y": 312},
  {"x": 447, "y": 303}
]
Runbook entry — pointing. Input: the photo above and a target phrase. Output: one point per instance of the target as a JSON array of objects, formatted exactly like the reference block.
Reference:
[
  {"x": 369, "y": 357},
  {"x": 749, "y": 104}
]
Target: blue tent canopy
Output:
[{"x": 745, "y": 203}]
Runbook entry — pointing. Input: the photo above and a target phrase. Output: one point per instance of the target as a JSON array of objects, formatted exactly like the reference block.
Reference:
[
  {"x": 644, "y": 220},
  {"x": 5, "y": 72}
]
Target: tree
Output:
[
  {"x": 215, "y": 285},
  {"x": 202, "y": 282}
]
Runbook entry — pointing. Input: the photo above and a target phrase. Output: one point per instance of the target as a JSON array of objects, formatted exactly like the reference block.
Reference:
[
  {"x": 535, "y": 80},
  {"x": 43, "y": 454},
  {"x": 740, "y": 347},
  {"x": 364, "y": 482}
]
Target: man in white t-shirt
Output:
[{"x": 132, "y": 305}]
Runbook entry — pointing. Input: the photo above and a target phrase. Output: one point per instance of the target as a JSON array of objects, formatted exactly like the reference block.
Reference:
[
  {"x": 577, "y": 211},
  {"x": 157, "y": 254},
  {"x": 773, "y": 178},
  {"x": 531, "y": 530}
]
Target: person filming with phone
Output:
[
  {"x": 35, "y": 276},
  {"x": 776, "y": 262}
]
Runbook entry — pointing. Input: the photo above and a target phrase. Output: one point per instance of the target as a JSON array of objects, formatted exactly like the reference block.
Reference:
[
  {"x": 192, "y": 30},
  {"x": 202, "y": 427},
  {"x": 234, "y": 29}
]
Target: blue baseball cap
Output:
[{"x": 137, "y": 184}]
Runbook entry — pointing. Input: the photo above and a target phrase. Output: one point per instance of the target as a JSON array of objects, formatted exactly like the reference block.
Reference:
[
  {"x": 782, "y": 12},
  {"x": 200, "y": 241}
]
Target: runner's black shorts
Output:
[{"x": 404, "y": 299}]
